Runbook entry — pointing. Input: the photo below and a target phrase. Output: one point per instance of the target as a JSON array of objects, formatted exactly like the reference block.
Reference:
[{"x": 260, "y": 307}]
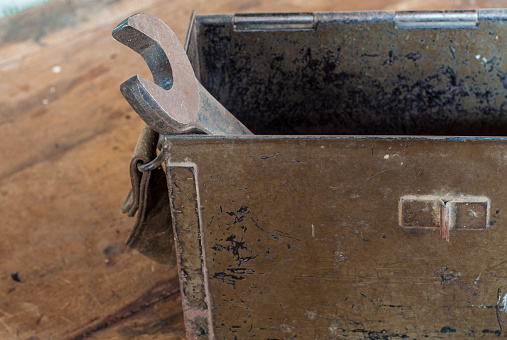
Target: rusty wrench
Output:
[{"x": 176, "y": 103}]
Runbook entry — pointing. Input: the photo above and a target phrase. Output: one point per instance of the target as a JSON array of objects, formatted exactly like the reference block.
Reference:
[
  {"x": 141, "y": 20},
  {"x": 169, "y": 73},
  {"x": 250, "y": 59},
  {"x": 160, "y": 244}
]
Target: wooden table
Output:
[{"x": 67, "y": 137}]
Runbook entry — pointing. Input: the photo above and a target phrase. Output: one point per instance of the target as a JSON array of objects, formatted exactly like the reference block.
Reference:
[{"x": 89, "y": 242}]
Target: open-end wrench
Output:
[{"x": 176, "y": 103}]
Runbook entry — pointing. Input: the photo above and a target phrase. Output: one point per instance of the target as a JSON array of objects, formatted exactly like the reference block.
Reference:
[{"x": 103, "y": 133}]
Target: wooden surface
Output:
[{"x": 67, "y": 137}]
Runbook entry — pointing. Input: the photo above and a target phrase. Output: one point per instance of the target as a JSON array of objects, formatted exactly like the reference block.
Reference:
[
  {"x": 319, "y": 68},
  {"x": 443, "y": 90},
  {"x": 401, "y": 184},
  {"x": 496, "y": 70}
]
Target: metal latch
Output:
[{"x": 445, "y": 213}]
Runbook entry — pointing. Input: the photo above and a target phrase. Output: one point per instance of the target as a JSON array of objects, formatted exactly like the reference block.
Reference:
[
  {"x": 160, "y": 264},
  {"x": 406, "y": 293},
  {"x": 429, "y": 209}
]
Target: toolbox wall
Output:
[{"x": 356, "y": 74}]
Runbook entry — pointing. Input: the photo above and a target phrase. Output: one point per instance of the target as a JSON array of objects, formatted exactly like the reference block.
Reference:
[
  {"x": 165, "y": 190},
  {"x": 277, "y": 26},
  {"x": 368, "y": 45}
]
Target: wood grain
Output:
[{"x": 67, "y": 139}]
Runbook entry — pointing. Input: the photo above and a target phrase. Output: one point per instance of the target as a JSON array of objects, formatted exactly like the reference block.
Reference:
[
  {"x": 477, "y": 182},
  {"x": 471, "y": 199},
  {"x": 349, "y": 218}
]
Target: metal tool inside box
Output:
[{"x": 367, "y": 203}]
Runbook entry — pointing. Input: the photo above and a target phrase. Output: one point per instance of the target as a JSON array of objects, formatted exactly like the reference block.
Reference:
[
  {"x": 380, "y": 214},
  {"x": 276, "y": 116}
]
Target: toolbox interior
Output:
[{"x": 356, "y": 75}]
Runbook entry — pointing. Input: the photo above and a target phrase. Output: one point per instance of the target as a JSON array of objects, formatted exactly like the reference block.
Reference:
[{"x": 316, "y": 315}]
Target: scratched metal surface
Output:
[
  {"x": 301, "y": 237},
  {"x": 345, "y": 237},
  {"x": 356, "y": 74}
]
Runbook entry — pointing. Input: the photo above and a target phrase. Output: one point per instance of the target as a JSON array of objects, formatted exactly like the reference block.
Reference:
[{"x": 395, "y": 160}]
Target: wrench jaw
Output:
[
  {"x": 176, "y": 103},
  {"x": 152, "y": 52},
  {"x": 164, "y": 106},
  {"x": 141, "y": 98}
]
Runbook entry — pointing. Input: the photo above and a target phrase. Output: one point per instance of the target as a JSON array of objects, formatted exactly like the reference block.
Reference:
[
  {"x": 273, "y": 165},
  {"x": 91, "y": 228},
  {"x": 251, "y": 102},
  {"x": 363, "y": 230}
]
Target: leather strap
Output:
[{"x": 152, "y": 234}]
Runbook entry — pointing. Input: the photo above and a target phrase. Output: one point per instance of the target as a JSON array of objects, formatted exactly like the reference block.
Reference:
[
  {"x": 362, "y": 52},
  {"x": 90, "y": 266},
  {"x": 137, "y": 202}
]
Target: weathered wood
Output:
[{"x": 67, "y": 137}]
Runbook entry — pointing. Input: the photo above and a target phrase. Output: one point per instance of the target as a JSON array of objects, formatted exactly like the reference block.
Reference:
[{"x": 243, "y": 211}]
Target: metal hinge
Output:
[
  {"x": 436, "y": 19},
  {"x": 278, "y": 22}
]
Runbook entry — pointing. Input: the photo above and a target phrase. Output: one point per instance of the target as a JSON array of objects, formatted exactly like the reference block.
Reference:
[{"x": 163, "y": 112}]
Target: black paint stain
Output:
[
  {"x": 413, "y": 56},
  {"x": 239, "y": 215},
  {"x": 234, "y": 247},
  {"x": 276, "y": 154},
  {"x": 383, "y": 334},
  {"x": 15, "y": 277},
  {"x": 453, "y": 52},
  {"x": 503, "y": 78},
  {"x": 447, "y": 329},
  {"x": 229, "y": 279},
  {"x": 241, "y": 271},
  {"x": 383, "y": 305}
]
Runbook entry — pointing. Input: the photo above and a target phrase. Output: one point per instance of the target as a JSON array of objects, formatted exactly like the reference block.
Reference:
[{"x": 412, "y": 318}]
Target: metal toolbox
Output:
[{"x": 370, "y": 201}]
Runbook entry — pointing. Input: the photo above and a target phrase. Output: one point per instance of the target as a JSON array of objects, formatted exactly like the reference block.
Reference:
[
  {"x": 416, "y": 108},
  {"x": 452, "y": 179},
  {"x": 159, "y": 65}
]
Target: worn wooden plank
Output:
[
  {"x": 65, "y": 245},
  {"x": 67, "y": 136}
]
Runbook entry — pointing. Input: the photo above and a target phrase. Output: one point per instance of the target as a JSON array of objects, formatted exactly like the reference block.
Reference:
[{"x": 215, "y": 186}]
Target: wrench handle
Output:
[{"x": 214, "y": 119}]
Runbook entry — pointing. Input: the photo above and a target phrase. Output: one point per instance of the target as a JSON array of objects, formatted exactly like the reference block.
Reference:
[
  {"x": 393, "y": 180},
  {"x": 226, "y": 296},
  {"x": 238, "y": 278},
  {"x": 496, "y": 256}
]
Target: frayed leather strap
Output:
[{"x": 152, "y": 234}]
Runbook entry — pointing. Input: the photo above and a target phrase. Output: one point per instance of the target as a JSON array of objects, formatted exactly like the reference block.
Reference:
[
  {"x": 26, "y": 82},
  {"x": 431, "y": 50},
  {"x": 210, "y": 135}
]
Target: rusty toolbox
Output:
[{"x": 369, "y": 201}]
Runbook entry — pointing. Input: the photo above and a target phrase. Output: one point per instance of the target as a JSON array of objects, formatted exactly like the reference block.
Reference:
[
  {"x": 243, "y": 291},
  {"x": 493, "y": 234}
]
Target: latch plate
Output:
[{"x": 445, "y": 213}]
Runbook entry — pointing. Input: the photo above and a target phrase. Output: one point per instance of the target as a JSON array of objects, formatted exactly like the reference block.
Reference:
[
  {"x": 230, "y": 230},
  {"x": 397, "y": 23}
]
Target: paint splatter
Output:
[{"x": 15, "y": 277}]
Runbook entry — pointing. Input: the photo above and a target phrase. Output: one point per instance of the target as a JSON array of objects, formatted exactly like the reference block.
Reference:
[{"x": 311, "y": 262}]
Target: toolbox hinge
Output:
[
  {"x": 436, "y": 19},
  {"x": 277, "y": 22}
]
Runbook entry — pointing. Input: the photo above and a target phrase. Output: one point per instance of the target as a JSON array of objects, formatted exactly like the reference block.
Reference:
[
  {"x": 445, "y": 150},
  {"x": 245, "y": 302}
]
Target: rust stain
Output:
[{"x": 444, "y": 226}]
